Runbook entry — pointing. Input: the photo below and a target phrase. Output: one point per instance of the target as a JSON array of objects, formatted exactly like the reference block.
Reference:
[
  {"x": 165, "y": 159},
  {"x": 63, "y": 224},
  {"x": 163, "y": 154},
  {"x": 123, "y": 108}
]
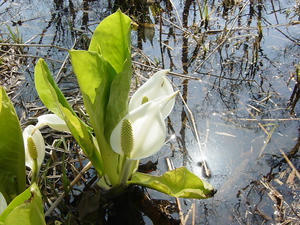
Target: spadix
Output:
[{"x": 142, "y": 131}]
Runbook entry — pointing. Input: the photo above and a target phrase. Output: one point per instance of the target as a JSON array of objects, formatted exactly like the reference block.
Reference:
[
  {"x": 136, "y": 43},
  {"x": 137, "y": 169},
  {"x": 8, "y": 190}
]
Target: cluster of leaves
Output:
[
  {"x": 25, "y": 205},
  {"x": 104, "y": 75}
]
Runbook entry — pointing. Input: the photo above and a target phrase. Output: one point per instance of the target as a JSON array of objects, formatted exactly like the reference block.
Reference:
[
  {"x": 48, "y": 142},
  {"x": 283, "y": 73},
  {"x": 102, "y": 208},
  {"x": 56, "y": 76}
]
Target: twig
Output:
[
  {"x": 259, "y": 124},
  {"x": 200, "y": 11},
  {"x": 185, "y": 31},
  {"x": 34, "y": 45},
  {"x": 252, "y": 28},
  {"x": 178, "y": 18},
  {"x": 58, "y": 200},
  {"x": 30, "y": 56},
  {"x": 268, "y": 120},
  {"x": 290, "y": 163},
  {"x": 196, "y": 134},
  {"x": 283, "y": 33},
  {"x": 223, "y": 39},
  {"x": 194, "y": 213},
  {"x": 184, "y": 76},
  {"x": 267, "y": 140},
  {"x": 63, "y": 64},
  {"x": 269, "y": 134},
  {"x": 191, "y": 210}
]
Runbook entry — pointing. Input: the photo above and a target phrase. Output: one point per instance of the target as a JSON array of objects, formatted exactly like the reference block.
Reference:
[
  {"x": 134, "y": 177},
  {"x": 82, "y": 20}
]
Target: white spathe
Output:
[
  {"x": 148, "y": 128},
  {"x": 3, "y": 203},
  {"x": 32, "y": 131},
  {"x": 156, "y": 87},
  {"x": 52, "y": 121}
]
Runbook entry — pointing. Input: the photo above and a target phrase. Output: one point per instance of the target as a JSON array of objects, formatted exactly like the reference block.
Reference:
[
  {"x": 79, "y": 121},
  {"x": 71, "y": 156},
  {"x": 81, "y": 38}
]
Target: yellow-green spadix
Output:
[
  {"x": 142, "y": 131},
  {"x": 34, "y": 146},
  {"x": 3, "y": 203}
]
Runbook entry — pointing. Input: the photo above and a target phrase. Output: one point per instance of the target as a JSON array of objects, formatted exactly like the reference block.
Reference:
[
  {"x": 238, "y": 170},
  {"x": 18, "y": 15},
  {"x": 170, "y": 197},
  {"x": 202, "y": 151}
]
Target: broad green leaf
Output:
[
  {"x": 179, "y": 183},
  {"x": 104, "y": 74},
  {"x": 47, "y": 90},
  {"x": 25, "y": 209},
  {"x": 117, "y": 106},
  {"x": 112, "y": 39},
  {"x": 54, "y": 100},
  {"x": 12, "y": 157},
  {"x": 94, "y": 76},
  {"x": 116, "y": 109}
]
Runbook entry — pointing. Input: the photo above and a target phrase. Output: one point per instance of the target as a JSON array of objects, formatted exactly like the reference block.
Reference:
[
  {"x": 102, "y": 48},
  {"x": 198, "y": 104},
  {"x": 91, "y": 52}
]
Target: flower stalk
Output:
[{"x": 126, "y": 170}]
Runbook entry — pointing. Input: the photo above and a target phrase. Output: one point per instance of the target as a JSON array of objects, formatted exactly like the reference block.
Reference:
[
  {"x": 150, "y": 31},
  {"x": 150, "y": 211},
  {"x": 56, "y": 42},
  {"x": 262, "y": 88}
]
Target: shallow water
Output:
[{"x": 238, "y": 84}]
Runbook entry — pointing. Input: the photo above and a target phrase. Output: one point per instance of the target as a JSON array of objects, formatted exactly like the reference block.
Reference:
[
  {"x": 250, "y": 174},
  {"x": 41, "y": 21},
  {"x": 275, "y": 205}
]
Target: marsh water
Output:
[{"x": 235, "y": 64}]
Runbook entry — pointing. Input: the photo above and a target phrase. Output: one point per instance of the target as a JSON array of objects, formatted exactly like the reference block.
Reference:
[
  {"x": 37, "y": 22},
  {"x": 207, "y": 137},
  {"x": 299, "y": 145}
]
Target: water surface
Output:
[{"x": 236, "y": 71}]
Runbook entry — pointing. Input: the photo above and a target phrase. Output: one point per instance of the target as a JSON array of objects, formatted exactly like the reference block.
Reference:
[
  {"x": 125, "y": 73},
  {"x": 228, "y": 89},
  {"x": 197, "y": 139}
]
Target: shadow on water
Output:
[{"x": 236, "y": 64}]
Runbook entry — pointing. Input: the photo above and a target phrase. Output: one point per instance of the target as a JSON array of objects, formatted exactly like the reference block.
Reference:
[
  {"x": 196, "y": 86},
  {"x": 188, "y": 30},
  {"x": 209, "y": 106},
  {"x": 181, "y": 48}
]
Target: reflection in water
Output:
[
  {"x": 243, "y": 57},
  {"x": 138, "y": 10}
]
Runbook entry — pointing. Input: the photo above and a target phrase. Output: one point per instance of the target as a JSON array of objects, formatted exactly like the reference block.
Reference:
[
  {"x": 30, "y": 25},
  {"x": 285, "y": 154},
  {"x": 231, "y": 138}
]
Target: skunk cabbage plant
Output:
[
  {"x": 18, "y": 205},
  {"x": 118, "y": 132}
]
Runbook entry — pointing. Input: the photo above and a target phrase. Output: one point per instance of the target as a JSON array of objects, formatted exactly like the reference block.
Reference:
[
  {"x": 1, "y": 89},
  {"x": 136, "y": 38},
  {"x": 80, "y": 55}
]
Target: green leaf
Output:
[
  {"x": 104, "y": 74},
  {"x": 54, "y": 100},
  {"x": 112, "y": 39},
  {"x": 94, "y": 76},
  {"x": 117, "y": 106},
  {"x": 25, "y": 209},
  {"x": 179, "y": 183},
  {"x": 48, "y": 91},
  {"x": 12, "y": 157}
]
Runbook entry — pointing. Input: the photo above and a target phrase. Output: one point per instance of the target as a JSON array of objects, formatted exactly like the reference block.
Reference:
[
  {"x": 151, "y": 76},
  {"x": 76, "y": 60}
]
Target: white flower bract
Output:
[
  {"x": 52, "y": 121},
  {"x": 147, "y": 124},
  {"x": 148, "y": 130},
  {"x": 31, "y": 131},
  {"x": 3, "y": 203},
  {"x": 156, "y": 87}
]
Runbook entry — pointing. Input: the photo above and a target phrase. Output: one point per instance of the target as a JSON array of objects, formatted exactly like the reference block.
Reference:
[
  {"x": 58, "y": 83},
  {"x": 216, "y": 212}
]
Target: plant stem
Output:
[
  {"x": 128, "y": 167},
  {"x": 125, "y": 172}
]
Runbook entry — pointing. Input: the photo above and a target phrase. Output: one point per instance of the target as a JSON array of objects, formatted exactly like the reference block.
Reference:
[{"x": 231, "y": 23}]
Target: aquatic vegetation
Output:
[
  {"x": 119, "y": 133},
  {"x": 24, "y": 209},
  {"x": 15, "y": 201}
]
